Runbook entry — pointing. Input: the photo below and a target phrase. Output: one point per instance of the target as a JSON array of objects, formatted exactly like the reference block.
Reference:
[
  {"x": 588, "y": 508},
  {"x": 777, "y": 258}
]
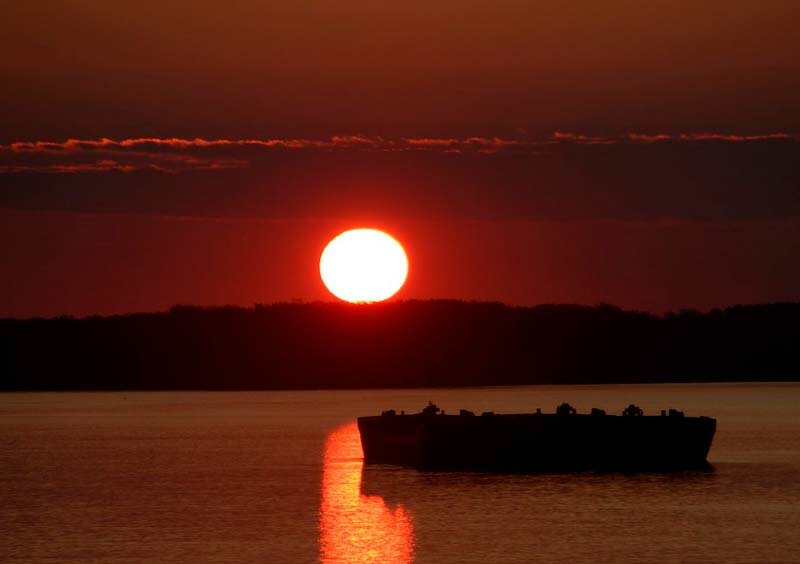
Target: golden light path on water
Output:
[{"x": 357, "y": 528}]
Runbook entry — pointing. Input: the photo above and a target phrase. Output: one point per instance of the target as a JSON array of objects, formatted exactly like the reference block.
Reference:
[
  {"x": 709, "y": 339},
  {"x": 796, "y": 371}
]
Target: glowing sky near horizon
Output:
[{"x": 523, "y": 152}]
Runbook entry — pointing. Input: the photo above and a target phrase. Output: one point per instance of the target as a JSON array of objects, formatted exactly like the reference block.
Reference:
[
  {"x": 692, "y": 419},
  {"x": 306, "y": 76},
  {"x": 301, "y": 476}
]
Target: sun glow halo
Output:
[{"x": 363, "y": 265}]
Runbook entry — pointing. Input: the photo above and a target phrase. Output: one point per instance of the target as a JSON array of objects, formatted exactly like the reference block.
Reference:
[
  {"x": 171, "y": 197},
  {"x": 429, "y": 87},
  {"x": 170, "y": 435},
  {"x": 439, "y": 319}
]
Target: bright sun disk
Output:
[{"x": 363, "y": 265}]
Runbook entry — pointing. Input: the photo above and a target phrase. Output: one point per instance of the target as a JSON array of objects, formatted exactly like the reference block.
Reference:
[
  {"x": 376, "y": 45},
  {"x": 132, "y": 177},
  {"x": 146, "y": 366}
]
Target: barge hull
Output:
[{"x": 537, "y": 442}]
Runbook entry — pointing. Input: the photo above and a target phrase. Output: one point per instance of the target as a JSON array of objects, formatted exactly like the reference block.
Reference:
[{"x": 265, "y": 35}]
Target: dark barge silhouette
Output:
[{"x": 564, "y": 440}]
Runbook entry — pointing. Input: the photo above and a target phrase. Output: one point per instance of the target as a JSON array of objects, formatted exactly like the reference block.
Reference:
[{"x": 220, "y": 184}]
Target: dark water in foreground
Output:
[{"x": 277, "y": 477}]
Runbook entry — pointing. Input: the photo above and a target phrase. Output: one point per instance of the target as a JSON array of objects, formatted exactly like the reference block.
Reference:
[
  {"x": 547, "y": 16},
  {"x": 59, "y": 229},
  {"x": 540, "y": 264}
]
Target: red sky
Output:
[{"x": 642, "y": 155}]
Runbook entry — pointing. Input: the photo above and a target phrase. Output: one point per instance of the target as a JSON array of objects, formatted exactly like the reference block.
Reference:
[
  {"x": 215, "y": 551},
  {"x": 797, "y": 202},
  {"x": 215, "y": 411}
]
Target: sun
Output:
[{"x": 363, "y": 265}]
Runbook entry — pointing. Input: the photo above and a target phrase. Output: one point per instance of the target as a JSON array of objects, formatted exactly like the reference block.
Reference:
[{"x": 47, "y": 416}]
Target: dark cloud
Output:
[
  {"x": 724, "y": 137},
  {"x": 132, "y": 163},
  {"x": 559, "y": 177},
  {"x": 584, "y": 139},
  {"x": 179, "y": 155}
]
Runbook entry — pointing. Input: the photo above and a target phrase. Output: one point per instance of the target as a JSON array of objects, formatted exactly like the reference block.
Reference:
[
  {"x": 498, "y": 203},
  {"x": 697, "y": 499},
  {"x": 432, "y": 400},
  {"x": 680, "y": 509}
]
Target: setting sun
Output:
[{"x": 363, "y": 265}]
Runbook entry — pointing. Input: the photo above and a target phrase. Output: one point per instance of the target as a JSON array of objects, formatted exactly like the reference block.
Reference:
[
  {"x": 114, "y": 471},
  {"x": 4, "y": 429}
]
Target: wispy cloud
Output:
[
  {"x": 438, "y": 142},
  {"x": 97, "y": 166},
  {"x": 583, "y": 139},
  {"x": 150, "y": 143},
  {"x": 723, "y": 137},
  {"x": 649, "y": 137},
  {"x": 165, "y": 163},
  {"x": 172, "y": 154},
  {"x": 732, "y": 138}
]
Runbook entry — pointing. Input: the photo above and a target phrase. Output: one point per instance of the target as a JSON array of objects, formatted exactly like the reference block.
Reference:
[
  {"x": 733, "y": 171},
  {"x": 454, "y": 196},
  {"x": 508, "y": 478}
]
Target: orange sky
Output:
[
  {"x": 89, "y": 68},
  {"x": 643, "y": 155}
]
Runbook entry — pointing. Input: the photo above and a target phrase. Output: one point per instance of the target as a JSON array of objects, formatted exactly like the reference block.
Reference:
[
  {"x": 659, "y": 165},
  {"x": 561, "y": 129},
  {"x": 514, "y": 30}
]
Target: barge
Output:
[{"x": 560, "y": 441}]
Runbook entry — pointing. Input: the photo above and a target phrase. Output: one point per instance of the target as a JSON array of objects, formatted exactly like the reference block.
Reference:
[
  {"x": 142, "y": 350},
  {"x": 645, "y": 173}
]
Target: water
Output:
[{"x": 276, "y": 477}]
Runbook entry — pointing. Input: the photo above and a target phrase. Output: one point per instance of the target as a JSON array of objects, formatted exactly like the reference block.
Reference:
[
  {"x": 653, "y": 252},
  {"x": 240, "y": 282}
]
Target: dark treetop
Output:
[{"x": 399, "y": 344}]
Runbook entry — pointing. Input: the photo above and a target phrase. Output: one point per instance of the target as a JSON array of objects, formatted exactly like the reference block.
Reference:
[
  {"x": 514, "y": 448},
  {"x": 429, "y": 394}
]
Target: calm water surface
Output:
[{"x": 277, "y": 477}]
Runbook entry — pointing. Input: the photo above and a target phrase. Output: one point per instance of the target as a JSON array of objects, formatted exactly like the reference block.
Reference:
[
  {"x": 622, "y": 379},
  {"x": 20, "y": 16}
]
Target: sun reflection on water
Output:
[{"x": 357, "y": 528}]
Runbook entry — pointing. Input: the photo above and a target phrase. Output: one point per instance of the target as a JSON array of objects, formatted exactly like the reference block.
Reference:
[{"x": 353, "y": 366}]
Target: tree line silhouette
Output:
[{"x": 397, "y": 344}]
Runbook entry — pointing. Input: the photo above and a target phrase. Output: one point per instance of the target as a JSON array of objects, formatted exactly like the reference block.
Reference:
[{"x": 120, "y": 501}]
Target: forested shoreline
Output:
[{"x": 396, "y": 345}]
